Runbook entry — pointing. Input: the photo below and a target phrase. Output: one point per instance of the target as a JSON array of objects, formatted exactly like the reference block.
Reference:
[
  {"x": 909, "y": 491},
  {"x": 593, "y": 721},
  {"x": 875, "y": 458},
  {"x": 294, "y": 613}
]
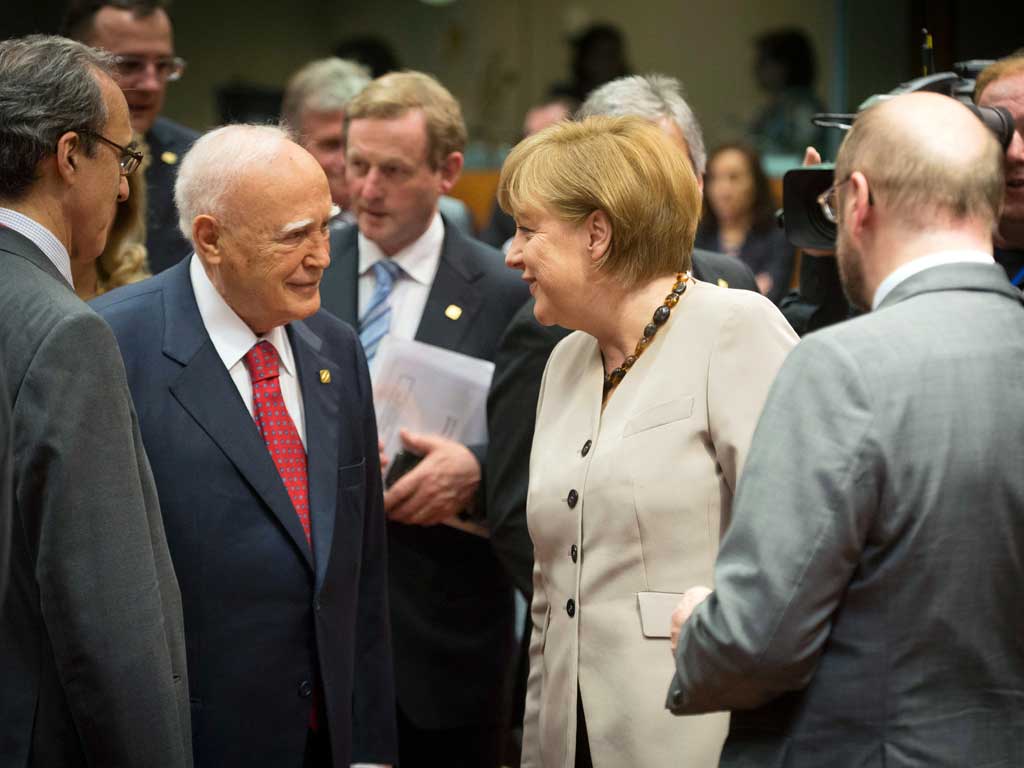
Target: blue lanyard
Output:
[{"x": 1019, "y": 277}]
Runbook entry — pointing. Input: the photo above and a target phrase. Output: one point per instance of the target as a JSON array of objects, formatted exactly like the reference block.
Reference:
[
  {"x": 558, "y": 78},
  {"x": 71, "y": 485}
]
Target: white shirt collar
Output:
[
  {"x": 418, "y": 260},
  {"x": 911, "y": 268},
  {"x": 42, "y": 238},
  {"x": 231, "y": 337}
]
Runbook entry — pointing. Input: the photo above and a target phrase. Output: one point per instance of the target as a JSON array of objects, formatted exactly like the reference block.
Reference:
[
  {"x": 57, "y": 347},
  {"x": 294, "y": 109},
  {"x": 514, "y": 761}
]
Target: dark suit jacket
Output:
[
  {"x": 762, "y": 251},
  {"x": 451, "y": 604},
  {"x": 92, "y": 650},
  {"x": 168, "y": 142},
  {"x": 266, "y": 619},
  {"x": 511, "y": 415},
  {"x": 867, "y": 609}
]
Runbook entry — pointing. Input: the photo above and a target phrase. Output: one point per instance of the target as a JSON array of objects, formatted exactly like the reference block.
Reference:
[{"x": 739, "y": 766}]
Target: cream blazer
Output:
[{"x": 634, "y": 500}]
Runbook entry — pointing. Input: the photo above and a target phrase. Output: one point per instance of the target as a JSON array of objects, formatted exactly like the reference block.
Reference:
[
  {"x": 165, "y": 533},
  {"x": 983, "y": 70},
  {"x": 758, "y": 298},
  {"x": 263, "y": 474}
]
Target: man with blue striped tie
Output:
[{"x": 404, "y": 271}]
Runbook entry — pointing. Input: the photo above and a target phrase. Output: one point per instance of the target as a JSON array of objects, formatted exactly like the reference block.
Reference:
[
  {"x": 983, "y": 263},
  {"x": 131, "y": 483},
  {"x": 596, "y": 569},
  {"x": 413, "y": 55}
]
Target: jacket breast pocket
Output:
[
  {"x": 659, "y": 415},
  {"x": 353, "y": 475}
]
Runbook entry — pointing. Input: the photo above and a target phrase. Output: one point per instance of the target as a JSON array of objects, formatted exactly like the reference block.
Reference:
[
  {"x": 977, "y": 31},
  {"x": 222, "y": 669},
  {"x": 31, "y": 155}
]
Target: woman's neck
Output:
[
  {"x": 623, "y": 316},
  {"x": 734, "y": 231}
]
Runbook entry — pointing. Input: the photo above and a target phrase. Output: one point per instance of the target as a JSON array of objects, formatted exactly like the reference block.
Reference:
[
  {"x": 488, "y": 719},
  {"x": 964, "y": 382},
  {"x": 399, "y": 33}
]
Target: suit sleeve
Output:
[
  {"x": 539, "y": 612},
  {"x": 799, "y": 523},
  {"x": 374, "y": 730},
  {"x": 751, "y": 346},
  {"x": 511, "y": 418},
  {"x": 6, "y": 485},
  {"x": 81, "y": 486}
]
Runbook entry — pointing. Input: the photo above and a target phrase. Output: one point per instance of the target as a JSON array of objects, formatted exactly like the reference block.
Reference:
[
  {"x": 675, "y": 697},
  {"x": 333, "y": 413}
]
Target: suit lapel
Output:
[
  {"x": 339, "y": 288},
  {"x": 205, "y": 390},
  {"x": 452, "y": 294},
  {"x": 325, "y": 420}
]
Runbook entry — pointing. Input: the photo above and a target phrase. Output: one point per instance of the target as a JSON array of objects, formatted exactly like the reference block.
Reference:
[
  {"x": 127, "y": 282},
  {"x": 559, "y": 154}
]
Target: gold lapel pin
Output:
[
  {"x": 169, "y": 157},
  {"x": 453, "y": 312},
  {"x": 325, "y": 376},
  {"x": 722, "y": 283}
]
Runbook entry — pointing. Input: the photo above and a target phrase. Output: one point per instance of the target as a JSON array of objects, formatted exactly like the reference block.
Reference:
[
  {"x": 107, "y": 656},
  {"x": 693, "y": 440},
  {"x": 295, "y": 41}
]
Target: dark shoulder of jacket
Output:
[
  {"x": 710, "y": 267},
  {"x": 167, "y": 134},
  {"x": 497, "y": 279}
]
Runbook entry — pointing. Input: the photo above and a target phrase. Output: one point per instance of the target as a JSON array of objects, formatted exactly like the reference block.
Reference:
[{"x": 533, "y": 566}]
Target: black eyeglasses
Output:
[
  {"x": 167, "y": 68},
  {"x": 130, "y": 158}
]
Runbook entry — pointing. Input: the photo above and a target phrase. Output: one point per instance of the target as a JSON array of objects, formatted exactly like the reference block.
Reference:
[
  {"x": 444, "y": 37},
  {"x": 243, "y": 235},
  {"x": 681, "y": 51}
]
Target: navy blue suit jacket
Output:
[
  {"x": 266, "y": 619},
  {"x": 451, "y": 605}
]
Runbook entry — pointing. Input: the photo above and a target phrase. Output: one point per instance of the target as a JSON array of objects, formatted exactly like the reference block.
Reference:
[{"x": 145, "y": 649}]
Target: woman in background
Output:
[
  {"x": 739, "y": 218},
  {"x": 643, "y": 423},
  {"x": 123, "y": 260}
]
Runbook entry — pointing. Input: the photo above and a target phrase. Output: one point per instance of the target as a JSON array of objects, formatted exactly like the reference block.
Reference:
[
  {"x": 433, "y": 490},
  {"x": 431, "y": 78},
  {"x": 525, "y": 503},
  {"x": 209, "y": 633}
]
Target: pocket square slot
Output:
[
  {"x": 656, "y": 416},
  {"x": 656, "y": 612}
]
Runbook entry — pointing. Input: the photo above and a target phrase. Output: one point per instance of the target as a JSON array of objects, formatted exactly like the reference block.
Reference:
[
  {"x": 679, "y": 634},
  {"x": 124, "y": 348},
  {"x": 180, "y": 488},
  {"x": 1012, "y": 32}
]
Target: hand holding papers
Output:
[{"x": 439, "y": 398}]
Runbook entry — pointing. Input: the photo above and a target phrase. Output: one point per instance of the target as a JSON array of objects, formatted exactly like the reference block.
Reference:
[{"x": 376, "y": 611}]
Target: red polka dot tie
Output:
[{"x": 277, "y": 427}]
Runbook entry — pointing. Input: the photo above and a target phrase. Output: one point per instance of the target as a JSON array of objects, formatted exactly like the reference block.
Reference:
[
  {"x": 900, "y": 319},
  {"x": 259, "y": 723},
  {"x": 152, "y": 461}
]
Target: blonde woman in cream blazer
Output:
[{"x": 638, "y": 446}]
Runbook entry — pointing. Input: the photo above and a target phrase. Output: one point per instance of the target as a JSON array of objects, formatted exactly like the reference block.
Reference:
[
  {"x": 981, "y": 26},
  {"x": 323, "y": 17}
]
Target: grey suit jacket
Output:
[
  {"x": 92, "y": 653},
  {"x": 868, "y": 592}
]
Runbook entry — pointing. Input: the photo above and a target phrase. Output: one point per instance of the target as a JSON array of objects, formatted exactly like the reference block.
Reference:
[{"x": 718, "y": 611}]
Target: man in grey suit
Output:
[
  {"x": 92, "y": 655},
  {"x": 867, "y": 605}
]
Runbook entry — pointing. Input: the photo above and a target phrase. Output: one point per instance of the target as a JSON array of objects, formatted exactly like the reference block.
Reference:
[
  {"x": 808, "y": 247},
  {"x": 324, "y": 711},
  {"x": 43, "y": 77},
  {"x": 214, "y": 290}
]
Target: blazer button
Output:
[
  {"x": 305, "y": 689},
  {"x": 570, "y": 607},
  {"x": 573, "y": 552},
  {"x": 573, "y": 498},
  {"x": 586, "y": 447}
]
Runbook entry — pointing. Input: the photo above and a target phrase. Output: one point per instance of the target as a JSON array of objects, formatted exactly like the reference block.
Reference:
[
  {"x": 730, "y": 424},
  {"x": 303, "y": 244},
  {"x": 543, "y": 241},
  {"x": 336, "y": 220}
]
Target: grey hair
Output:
[
  {"x": 652, "y": 97},
  {"x": 48, "y": 86},
  {"x": 217, "y": 163},
  {"x": 324, "y": 85}
]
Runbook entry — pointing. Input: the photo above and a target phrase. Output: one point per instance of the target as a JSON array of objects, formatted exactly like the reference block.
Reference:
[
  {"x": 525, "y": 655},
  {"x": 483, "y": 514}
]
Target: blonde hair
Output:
[
  {"x": 396, "y": 93},
  {"x": 918, "y": 181},
  {"x": 124, "y": 259},
  {"x": 623, "y": 166},
  {"x": 1006, "y": 66}
]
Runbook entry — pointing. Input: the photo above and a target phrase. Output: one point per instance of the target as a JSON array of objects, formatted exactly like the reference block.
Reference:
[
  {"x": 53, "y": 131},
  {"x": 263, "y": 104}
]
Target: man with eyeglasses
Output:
[
  {"x": 867, "y": 591},
  {"x": 139, "y": 34},
  {"x": 92, "y": 649}
]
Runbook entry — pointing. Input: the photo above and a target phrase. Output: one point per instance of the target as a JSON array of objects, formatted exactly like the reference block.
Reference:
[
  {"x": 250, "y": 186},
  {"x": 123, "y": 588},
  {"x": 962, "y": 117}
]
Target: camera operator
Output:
[
  {"x": 820, "y": 301},
  {"x": 1002, "y": 85}
]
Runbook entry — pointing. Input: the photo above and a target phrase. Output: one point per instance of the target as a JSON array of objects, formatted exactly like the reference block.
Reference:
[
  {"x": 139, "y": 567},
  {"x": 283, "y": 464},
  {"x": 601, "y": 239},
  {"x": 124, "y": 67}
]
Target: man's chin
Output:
[{"x": 142, "y": 119}]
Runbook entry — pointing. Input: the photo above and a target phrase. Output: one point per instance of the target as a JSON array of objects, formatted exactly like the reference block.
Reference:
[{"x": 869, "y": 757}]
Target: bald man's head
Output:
[{"x": 926, "y": 158}]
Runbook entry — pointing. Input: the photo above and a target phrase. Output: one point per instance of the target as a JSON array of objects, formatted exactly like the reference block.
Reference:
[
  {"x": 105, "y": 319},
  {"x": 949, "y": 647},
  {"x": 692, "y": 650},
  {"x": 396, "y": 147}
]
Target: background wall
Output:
[{"x": 499, "y": 56}]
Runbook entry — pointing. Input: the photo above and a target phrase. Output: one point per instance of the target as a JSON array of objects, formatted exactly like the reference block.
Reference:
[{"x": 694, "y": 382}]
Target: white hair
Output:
[
  {"x": 217, "y": 162},
  {"x": 651, "y": 97},
  {"x": 324, "y": 85}
]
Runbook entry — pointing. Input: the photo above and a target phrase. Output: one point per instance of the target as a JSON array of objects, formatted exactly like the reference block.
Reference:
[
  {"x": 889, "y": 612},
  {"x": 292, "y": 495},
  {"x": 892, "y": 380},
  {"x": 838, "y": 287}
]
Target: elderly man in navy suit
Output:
[{"x": 257, "y": 415}]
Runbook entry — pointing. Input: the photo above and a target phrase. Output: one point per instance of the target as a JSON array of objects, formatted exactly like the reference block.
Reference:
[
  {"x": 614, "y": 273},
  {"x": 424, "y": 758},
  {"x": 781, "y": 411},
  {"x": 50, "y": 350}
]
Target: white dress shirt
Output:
[
  {"x": 42, "y": 238},
  {"x": 911, "y": 268},
  {"x": 232, "y": 339},
  {"x": 419, "y": 262}
]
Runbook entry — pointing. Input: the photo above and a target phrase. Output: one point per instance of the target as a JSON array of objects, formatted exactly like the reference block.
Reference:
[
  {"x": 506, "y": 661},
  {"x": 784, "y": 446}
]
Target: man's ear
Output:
[
  {"x": 451, "y": 168},
  {"x": 206, "y": 239},
  {"x": 69, "y": 156},
  {"x": 857, "y": 206},
  {"x": 598, "y": 228}
]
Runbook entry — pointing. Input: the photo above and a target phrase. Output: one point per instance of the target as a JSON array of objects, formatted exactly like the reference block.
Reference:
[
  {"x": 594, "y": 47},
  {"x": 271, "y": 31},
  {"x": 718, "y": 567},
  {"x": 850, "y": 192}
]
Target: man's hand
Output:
[
  {"x": 440, "y": 486},
  {"x": 692, "y": 597}
]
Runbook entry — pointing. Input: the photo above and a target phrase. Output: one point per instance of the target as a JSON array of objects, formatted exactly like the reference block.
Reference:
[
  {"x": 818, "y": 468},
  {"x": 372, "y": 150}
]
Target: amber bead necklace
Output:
[{"x": 661, "y": 315}]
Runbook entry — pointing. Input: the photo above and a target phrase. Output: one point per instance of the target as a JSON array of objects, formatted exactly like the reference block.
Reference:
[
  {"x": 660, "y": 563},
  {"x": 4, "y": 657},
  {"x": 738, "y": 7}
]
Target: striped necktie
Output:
[{"x": 375, "y": 322}]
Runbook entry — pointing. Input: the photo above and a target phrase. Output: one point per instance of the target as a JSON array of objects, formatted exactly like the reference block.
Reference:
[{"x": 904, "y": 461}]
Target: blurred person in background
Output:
[
  {"x": 140, "y": 35},
  {"x": 659, "y": 390},
  {"x": 739, "y": 218},
  {"x": 785, "y": 70}
]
